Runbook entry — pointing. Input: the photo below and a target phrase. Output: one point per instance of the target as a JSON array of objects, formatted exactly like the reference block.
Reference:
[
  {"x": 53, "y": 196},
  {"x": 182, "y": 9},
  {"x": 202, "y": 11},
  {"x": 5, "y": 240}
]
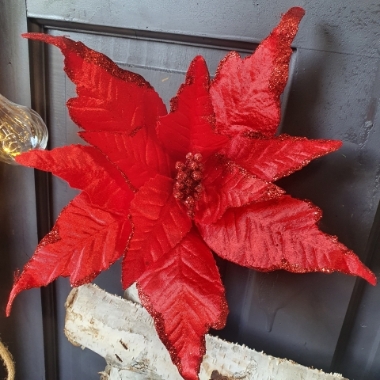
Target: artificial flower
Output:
[{"x": 166, "y": 190}]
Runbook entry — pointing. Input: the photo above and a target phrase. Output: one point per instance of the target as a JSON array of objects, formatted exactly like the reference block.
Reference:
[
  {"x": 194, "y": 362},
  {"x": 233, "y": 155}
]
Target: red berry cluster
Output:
[{"x": 188, "y": 187}]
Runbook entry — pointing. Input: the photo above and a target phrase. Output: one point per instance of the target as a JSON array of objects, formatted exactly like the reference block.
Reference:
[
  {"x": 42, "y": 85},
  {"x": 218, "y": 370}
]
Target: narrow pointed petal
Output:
[
  {"x": 109, "y": 98},
  {"x": 159, "y": 224},
  {"x": 184, "y": 294},
  {"x": 139, "y": 155},
  {"x": 189, "y": 127},
  {"x": 225, "y": 185},
  {"x": 273, "y": 158},
  {"x": 281, "y": 234},
  {"x": 98, "y": 239},
  {"x": 87, "y": 169},
  {"x": 246, "y": 92}
]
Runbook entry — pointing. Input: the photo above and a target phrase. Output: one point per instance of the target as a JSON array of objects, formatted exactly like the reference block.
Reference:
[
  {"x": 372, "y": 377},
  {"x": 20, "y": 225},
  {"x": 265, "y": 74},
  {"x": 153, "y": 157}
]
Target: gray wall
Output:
[
  {"x": 325, "y": 321},
  {"x": 22, "y": 332}
]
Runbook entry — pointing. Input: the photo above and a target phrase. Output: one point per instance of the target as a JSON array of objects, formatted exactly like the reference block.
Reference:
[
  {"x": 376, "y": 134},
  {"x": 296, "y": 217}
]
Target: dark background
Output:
[{"x": 326, "y": 321}]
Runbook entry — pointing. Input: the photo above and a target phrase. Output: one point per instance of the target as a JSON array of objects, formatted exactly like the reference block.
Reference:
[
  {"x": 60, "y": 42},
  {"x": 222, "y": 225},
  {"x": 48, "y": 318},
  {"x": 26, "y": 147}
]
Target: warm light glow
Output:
[{"x": 21, "y": 129}]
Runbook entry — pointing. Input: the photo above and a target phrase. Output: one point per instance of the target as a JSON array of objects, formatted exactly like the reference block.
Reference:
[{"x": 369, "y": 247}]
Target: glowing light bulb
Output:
[{"x": 21, "y": 129}]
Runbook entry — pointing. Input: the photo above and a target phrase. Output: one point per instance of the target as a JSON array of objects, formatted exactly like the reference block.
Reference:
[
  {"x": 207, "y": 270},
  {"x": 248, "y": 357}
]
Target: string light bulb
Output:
[{"x": 21, "y": 129}]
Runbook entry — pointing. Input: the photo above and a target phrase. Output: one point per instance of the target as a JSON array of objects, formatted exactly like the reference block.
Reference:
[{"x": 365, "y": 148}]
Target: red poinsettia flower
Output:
[{"x": 165, "y": 190}]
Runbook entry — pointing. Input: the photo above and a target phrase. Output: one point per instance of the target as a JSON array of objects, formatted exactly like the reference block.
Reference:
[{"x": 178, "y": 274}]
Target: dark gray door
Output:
[{"x": 326, "y": 321}]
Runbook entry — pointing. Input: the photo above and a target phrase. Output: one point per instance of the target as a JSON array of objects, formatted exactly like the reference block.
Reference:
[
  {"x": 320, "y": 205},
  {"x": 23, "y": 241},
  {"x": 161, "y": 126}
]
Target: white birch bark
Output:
[{"x": 123, "y": 333}]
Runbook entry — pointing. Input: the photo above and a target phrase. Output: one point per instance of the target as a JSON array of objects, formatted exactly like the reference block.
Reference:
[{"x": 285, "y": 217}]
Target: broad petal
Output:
[
  {"x": 246, "y": 92},
  {"x": 84, "y": 241},
  {"x": 87, "y": 169},
  {"x": 139, "y": 155},
  {"x": 225, "y": 185},
  {"x": 109, "y": 98},
  {"x": 189, "y": 127},
  {"x": 159, "y": 224},
  {"x": 273, "y": 158},
  {"x": 184, "y": 294},
  {"x": 281, "y": 234}
]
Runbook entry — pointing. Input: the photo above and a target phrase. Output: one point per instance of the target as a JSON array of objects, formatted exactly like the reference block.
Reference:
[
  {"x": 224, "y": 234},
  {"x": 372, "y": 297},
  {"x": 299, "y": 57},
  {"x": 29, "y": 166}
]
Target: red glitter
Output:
[{"x": 187, "y": 187}]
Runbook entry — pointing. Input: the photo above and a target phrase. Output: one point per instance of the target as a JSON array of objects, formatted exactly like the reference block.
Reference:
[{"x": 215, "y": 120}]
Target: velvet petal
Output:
[
  {"x": 225, "y": 185},
  {"x": 281, "y": 234},
  {"x": 183, "y": 293},
  {"x": 246, "y": 92},
  {"x": 273, "y": 158},
  {"x": 159, "y": 224},
  {"x": 109, "y": 98},
  {"x": 189, "y": 127},
  {"x": 97, "y": 241}
]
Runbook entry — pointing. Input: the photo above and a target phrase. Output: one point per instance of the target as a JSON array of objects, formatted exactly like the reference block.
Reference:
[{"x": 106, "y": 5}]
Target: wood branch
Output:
[
  {"x": 7, "y": 359},
  {"x": 123, "y": 333}
]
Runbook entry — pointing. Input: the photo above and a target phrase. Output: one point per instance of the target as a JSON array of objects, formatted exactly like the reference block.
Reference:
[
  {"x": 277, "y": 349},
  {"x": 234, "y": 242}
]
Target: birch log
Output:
[{"x": 123, "y": 333}]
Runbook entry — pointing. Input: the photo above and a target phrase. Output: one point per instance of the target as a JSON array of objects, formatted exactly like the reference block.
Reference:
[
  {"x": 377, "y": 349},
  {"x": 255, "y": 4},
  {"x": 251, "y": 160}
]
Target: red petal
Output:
[
  {"x": 246, "y": 93},
  {"x": 159, "y": 224},
  {"x": 84, "y": 168},
  {"x": 273, "y": 158},
  {"x": 139, "y": 156},
  {"x": 109, "y": 98},
  {"x": 281, "y": 234},
  {"x": 189, "y": 127},
  {"x": 184, "y": 294},
  {"x": 225, "y": 186},
  {"x": 84, "y": 241}
]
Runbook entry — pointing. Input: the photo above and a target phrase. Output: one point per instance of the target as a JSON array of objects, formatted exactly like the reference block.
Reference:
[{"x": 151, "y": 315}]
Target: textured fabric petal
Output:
[
  {"x": 139, "y": 156},
  {"x": 87, "y": 169},
  {"x": 84, "y": 241},
  {"x": 246, "y": 92},
  {"x": 273, "y": 158},
  {"x": 143, "y": 194},
  {"x": 189, "y": 127},
  {"x": 109, "y": 98},
  {"x": 225, "y": 185},
  {"x": 281, "y": 234},
  {"x": 183, "y": 293},
  {"x": 159, "y": 224}
]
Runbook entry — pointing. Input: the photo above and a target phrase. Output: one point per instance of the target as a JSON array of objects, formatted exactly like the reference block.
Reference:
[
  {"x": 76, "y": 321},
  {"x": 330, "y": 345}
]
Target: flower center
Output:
[{"x": 187, "y": 186}]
